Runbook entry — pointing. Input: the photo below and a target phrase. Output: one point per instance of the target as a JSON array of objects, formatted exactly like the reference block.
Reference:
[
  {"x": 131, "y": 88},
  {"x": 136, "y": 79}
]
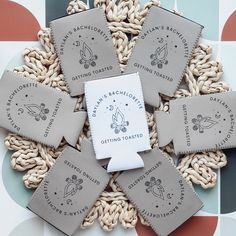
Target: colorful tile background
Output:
[{"x": 20, "y": 21}]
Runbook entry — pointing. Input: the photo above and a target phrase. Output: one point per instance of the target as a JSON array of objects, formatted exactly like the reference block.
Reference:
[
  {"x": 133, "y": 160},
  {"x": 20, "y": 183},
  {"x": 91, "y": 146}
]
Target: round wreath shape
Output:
[{"x": 125, "y": 19}]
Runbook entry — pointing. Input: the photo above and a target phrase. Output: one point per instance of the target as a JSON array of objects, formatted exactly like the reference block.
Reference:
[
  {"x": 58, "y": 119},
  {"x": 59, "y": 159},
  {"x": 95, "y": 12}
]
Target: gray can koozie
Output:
[
  {"x": 162, "y": 52},
  {"x": 159, "y": 192},
  {"x": 199, "y": 123},
  {"x": 38, "y": 112},
  {"x": 70, "y": 189},
  {"x": 85, "y": 48}
]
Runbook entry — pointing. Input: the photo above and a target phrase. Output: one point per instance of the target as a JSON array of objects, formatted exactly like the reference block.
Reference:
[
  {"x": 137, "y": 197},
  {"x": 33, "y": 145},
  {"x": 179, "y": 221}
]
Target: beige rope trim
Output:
[{"x": 202, "y": 77}]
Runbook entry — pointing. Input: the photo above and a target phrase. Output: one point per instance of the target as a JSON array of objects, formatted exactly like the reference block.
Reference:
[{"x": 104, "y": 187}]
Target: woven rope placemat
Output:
[{"x": 125, "y": 19}]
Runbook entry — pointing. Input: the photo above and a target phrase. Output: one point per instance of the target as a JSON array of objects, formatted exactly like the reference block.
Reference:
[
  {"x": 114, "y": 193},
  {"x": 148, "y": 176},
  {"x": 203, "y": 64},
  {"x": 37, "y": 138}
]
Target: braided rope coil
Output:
[{"x": 125, "y": 19}]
